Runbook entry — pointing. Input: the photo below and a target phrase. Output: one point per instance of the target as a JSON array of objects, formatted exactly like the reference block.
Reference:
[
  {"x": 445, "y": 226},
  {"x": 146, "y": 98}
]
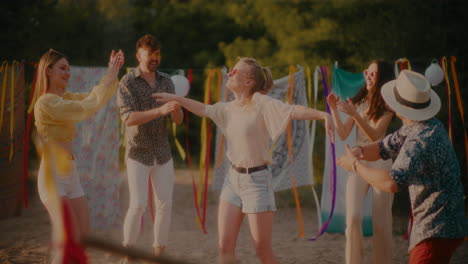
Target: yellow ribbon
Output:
[
  {"x": 36, "y": 92},
  {"x": 179, "y": 147},
  {"x": 203, "y": 141},
  {"x": 399, "y": 66},
  {"x": 4, "y": 70},
  {"x": 409, "y": 64},
  {"x": 12, "y": 107},
  {"x": 33, "y": 101}
]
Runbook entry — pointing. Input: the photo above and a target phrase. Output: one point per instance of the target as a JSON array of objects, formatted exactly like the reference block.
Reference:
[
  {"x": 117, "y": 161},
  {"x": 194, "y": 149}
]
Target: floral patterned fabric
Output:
[
  {"x": 96, "y": 150},
  {"x": 425, "y": 162}
]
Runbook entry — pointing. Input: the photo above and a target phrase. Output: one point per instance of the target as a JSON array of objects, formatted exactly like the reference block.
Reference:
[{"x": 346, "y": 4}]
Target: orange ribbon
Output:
[
  {"x": 459, "y": 103},
  {"x": 447, "y": 81},
  {"x": 4, "y": 69},
  {"x": 292, "y": 70}
]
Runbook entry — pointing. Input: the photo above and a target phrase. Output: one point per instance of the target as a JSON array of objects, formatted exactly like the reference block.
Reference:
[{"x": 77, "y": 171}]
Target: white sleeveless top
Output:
[{"x": 362, "y": 139}]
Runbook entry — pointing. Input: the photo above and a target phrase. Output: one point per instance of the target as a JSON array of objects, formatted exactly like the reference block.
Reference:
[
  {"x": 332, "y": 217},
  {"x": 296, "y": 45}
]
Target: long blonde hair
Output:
[
  {"x": 47, "y": 60},
  {"x": 261, "y": 75}
]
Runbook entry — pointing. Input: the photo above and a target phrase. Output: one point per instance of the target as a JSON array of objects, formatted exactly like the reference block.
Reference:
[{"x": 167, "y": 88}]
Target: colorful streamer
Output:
[
  {"x": 324, "y": 70},
  {"x": 404, "y": 63},
  {"x": 12, "y": 107},
  {"x": 179, "y": 147},
  {"x": 453, "y": 59},
  {"x": 292, "y": 70},
  {"x": 206, "y": 136},
  {"x": 194, "y": 185},
  {"x": 4, "y": 70},
  {"x": 443, "y": 62}
]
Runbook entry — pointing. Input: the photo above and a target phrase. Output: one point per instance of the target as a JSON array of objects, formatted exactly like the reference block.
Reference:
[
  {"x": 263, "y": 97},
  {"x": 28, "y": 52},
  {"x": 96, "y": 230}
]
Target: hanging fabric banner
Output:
[
  {"x": 96, "y": 146},
  {"x": 345, "y": 84}
]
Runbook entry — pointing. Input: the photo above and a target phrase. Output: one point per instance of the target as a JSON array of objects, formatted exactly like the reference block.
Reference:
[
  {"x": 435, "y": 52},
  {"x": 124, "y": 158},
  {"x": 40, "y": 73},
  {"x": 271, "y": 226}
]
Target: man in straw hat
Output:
[{"x": 424, "y": 162}]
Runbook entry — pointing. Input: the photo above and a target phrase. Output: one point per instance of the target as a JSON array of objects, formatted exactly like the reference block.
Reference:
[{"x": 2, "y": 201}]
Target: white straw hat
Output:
[{"x": 411, "y": 96}]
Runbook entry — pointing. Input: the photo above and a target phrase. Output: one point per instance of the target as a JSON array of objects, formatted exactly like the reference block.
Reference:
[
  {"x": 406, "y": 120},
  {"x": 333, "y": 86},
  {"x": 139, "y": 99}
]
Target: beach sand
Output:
[{"x": 25, "y": 239}]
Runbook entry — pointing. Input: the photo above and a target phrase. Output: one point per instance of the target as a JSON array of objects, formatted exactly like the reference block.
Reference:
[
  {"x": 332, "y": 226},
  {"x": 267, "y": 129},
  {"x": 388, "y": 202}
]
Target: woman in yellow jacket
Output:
[{"x": 56, "y": 112}]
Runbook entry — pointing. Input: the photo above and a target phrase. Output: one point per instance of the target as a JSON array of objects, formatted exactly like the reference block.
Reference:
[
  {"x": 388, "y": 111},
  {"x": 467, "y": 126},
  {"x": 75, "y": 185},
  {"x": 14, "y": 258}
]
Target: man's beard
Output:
[{"x": 152, "y": 67}]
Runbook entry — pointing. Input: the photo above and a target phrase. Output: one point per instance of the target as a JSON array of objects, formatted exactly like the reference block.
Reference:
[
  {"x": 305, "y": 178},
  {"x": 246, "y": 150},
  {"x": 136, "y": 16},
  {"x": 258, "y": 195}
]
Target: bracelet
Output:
[{"x": 353, "y": 166}]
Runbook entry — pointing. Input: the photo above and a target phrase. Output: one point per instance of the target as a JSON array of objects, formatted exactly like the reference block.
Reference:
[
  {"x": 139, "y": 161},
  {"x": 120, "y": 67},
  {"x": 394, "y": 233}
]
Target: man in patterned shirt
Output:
[
  {"x": 424, "y": 162},
  {"x": 148, "y": 153}
]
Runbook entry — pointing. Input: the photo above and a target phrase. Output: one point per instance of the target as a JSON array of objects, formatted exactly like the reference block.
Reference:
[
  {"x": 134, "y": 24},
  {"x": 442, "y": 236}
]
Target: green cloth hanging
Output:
[{"x": 346, "y": 84}]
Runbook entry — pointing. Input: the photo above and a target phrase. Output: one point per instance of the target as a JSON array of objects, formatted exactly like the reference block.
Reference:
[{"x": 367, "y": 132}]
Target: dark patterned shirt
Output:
[
  {"x": 425, "y": 162},
  {"x": 147, "y": 142}
]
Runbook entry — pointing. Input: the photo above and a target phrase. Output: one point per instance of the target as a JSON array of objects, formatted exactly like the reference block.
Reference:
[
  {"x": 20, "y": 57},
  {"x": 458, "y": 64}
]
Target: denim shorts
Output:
[{"x": 252, "y": 192}]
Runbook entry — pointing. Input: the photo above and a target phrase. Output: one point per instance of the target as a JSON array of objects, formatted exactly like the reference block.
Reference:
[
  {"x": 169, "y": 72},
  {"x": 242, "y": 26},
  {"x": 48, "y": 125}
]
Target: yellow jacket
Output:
[{"x": 56, "y": 115}]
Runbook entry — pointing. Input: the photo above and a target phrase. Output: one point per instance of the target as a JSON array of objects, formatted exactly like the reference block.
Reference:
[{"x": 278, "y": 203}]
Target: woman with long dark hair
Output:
[{"x": 368, "y": 111}]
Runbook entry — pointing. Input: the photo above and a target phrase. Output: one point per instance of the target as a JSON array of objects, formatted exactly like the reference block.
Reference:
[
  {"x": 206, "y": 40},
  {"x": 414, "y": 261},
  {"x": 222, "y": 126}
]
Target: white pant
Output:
[
  {"x": 356, "y": 191},
  {"x": 162, "y": 178}
]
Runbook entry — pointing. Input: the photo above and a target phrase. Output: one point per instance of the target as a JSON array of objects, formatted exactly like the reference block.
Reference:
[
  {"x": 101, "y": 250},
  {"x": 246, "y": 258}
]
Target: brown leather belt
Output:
[{"x": 250, "y": 170}]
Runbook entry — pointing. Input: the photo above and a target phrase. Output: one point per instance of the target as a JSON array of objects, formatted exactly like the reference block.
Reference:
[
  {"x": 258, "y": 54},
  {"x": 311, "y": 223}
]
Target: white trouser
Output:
[
  {"x": 356, "y": 192},
  {"x": 162, "y": 178}
]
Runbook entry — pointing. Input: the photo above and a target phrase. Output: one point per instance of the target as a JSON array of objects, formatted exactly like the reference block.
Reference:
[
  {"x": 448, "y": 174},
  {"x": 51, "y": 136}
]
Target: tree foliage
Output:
[{"x": 210, "y": 33}]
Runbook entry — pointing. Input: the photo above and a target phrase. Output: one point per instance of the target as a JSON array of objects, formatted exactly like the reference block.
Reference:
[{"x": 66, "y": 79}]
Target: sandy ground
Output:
[{"x": 25, "y": 239}]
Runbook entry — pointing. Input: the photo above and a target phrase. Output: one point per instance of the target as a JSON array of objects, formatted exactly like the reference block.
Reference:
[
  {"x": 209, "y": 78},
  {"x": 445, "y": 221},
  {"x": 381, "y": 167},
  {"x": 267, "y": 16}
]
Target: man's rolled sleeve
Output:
[
  {"x": 390, "y": 146},
  {"x": 407, "y": 164},
  {"x": 125, "y": 101}
]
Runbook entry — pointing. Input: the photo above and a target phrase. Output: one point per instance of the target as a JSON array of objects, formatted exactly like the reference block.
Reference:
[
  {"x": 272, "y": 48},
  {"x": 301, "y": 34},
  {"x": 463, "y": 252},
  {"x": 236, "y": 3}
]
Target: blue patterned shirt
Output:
[{"x": 425, "y": 162}]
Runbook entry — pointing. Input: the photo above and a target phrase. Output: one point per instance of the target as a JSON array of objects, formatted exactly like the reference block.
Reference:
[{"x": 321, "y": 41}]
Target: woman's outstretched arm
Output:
[
  {"x": 301, "y": 112},
  {"x": 193, "y": 106}
]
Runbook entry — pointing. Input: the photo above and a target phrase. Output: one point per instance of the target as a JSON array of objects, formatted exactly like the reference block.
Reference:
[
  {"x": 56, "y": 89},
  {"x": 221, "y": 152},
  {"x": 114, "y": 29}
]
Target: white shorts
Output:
[{"x": 68, "y": 186}]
